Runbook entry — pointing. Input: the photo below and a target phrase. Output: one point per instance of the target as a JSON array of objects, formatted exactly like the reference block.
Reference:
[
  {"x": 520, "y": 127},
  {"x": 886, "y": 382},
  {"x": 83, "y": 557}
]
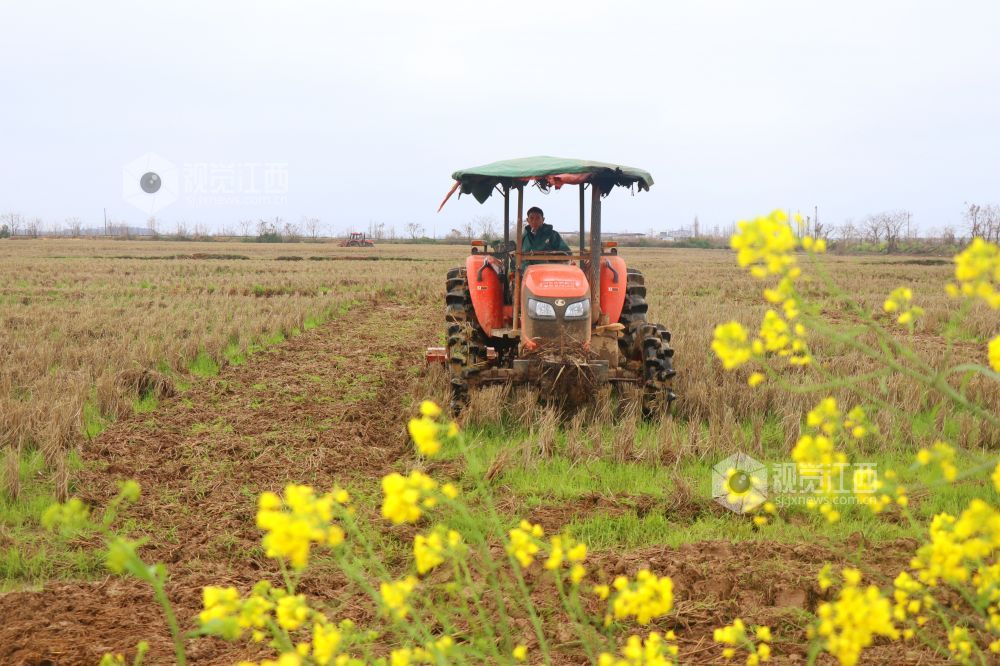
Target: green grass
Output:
[
  {"x": 203, "y": 365},
  {"x": 93, "y": 422},
  {"x": 145, "y": 404},
  {"x": 29, "y": 555},
  {"x": 558, "y": 480}
]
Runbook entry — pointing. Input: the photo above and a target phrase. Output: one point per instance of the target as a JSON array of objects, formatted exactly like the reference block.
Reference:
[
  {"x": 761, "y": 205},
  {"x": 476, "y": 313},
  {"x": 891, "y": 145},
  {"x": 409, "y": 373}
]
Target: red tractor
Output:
[
  {"x": 562, "y": 321},
  {"x": 357, "y": 239}
]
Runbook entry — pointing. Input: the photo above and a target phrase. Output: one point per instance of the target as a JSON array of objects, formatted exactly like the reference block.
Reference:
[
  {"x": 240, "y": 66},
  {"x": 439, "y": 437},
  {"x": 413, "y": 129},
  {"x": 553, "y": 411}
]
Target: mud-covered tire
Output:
[
  {"x": 465, "y": 348},
  {"x": 633, "y": 315},
  {"x": 657, "y": 369}
]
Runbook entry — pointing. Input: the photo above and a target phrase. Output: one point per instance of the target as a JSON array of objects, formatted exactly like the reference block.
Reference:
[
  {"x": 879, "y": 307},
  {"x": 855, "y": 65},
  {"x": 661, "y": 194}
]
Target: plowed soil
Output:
[{"x": 323, "y": 408}]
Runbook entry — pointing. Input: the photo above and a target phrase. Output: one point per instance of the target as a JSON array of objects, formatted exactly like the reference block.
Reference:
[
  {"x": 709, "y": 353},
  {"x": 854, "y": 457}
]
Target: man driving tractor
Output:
[{"x": 541, "y": 237}]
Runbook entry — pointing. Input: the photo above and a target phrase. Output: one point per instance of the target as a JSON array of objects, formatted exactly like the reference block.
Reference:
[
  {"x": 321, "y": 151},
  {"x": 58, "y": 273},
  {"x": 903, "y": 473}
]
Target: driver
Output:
[{"x": 541, "y": 237}]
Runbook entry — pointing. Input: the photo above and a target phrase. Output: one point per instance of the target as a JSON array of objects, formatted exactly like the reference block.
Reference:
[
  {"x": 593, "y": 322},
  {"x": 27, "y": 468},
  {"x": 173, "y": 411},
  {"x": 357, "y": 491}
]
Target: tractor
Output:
[
  {"x": 564, "y": 322},
  {"x": 357, "y": 239}
]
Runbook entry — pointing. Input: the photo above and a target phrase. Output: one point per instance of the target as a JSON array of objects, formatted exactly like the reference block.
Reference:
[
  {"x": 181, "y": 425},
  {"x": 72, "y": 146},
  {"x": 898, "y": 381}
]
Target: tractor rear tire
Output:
[
  {"x": 465, "y": 346},
  {"x": 633, "y": 315},
  {"x": 657, "y": 369},
  {"x": 649, "y": 343}
]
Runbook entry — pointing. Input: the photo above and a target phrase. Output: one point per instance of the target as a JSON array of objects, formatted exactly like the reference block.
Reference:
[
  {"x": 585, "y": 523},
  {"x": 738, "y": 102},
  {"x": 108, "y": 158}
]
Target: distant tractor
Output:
[
  {"x": 357, "y": 239},
  {"x": 564, "y": 322}
]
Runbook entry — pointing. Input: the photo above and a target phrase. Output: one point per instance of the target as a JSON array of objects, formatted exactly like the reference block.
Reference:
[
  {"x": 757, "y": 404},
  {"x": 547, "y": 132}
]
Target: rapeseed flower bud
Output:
[
  {"x": 901, "y": 301},
  {"x": 944, "y": 455},
  {"x": 70, "y": 516}
]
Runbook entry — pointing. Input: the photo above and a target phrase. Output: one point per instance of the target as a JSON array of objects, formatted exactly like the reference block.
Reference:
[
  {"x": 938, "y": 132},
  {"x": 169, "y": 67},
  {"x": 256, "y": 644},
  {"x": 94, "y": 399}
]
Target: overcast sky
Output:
[{"x": 361, "y": 111}]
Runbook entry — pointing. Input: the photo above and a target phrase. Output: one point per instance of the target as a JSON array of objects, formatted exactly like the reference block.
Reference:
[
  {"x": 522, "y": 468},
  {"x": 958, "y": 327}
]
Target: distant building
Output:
[{"x": 677, "y": 235}]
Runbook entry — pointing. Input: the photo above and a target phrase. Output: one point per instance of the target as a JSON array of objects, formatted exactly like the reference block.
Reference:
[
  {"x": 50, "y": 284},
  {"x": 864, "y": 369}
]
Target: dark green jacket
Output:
[{"x": 546, "y": 240}]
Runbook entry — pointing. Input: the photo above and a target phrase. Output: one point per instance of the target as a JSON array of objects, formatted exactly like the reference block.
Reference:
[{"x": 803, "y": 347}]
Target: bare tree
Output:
[
  {"x": 182, "y": 230},
  {"x": 983, "y": 221},
  {"x": 376, "y": 230},
  {"x": 872, "y": 227},
  {"x": 893, "y": 223},
  {"x": 33, "y": 226},
  {"x": 265, "y": 228},
  {"x": 948, "y": 235},
  {"x": 847, "y": 232},
  {"x": 414, "y": 230},
  {"x": 311, "y": 225},
  {"x": 468, "y": 230},
  {"x": 13, "y": 222},
  {"x": 245, "y": 226},
  {"x": 290, "y": 231},
  {"x": 73, "y": 226},
  {"x": 486, "y": 225},
  {"x": 152, "y": 223}
]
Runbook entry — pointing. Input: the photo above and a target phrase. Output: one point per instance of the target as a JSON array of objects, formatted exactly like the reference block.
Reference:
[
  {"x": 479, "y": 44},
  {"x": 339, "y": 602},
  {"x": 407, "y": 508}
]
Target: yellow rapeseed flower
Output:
[
  {"x": 325, "y": 642},
  {"x": 430, "y": 409},
  {"x": 850, "y": 623},
  {"x": 524, "y": 542},
  {"x": 655, "y": 650},
  {"x": 430, "y": 550},
  {"x": 645, "y": 598},
  {"x": 292, "y": 611},
  {"x": 977, "y": 270},
  {"x": 425, "y": 433},
  {"x": 292, "y": 525},
  {"x": 993, "y": 351},
  {"x": 730, "y": 344},
  {"x": 520, "y": 653},
  {"x": 405, "y": 497},
  {"x": 395, "y": 596},
  {"x": 766, "y": 245}
]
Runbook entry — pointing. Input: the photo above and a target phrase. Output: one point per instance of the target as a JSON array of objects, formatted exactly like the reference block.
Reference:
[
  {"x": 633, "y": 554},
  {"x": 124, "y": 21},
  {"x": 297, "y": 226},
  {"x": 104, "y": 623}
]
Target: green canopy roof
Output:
[{"x": 480, "y": 181}]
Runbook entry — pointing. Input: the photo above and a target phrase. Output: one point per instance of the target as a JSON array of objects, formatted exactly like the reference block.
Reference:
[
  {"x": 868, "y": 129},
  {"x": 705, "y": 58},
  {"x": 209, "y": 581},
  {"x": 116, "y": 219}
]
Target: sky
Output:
[{"x": 359, "y": 112}]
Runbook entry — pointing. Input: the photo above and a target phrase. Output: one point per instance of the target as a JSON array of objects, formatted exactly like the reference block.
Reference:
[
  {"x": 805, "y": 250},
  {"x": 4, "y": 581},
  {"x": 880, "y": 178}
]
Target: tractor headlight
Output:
[
  {"x": 578, "y": 309},
  {"x": 540, "y": 309}
]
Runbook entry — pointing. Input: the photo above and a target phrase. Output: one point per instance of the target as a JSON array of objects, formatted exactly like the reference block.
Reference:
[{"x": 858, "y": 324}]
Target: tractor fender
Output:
[
  {"x": 614, "y": 278},
  {"x": 485, "y": 290}
]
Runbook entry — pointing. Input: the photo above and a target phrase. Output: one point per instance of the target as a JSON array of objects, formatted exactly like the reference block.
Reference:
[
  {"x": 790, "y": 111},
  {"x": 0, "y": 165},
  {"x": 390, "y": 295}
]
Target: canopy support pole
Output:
[
  {"x": 517, "y": 257},
  {"x": 595, "y": 251},
  {"x": 583, "y": 242},
  {"x": 506, "y": 216}
]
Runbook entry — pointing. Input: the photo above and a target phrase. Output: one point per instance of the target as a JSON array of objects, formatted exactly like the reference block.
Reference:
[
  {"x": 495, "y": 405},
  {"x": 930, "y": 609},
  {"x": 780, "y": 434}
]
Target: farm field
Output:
[{"x": 212, "y": 372}]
